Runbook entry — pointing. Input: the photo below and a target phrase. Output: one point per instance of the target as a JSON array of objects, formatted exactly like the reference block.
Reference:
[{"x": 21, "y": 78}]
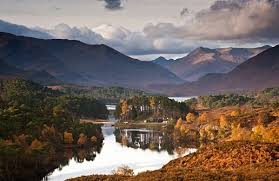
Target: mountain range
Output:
[
  {"x": 75, "y": 62},
  {"x": 261, "y": 71},
  {"x": 203, "y": 61},
  {"x": 202, "y": 71}
]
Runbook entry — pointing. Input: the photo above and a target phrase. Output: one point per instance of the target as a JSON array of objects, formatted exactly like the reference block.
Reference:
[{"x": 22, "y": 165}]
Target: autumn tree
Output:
[
  {"x": 203, "y": 117},
  {"x": 239, "y": 133},
  {"x": 123, "y": 171},
  {"x": 183, "y": 129},
  {"x": 94, "y": 139},
  {"x": 179, "y": 123},
  {"x": 36, "y": 145},
  {"x": 223, "y": 122},
  {"x": 68, "y": 138},
  {"x": 124, "y": 108},
  {"x": 82, "y": 139},
  {"x": 191, "y": 117}
]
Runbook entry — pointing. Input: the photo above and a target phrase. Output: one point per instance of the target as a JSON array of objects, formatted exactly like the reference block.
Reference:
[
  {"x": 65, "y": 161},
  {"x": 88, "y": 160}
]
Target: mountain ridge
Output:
[
  {"x": 202, "y": 61},
  {"x": 259, "y": 72},
  {"x": 73, "y": 61}
]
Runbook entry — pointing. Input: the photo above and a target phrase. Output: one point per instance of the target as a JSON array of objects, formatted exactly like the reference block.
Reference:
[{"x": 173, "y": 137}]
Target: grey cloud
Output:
[
  {"x": 185, "y": 11},
  {"x": 248, "y": 20},
  {"x": 113, "y": 4},
  {"x": 22, "y": 30},
  {"x": 83, "y": 34}
]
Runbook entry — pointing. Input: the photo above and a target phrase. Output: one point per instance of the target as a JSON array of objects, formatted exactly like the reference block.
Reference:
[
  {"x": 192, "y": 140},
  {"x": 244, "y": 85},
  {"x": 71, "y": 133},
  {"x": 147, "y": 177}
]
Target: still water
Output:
[{"x": 140, "y": 149}]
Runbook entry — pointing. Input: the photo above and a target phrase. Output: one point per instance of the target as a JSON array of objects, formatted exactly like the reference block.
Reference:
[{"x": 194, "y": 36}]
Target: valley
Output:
[{"x": 119, "y": 90}]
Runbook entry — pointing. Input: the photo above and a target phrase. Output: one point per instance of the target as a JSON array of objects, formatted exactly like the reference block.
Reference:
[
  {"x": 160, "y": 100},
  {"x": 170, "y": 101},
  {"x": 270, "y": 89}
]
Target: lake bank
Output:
[
  {"x": 230, "y": 161},
  {"x": 140, "y": 149},
  {"x": 140, "y": 125}
]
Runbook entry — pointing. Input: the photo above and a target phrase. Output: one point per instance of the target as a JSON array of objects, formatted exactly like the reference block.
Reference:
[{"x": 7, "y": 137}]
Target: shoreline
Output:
[{"x": 240, "y": 160}]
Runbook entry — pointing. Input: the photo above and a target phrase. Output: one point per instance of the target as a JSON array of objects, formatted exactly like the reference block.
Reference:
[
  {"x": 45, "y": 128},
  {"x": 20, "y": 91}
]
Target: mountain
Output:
[
  {"x": 162, "y": 61},
  {"x": 22, "y": 30},
  {"x": 76, "y": 62},
  {"x": 203, "y": 61},
  {"x": 8, "y": 72},
  {"x": 261, "y": 71}
]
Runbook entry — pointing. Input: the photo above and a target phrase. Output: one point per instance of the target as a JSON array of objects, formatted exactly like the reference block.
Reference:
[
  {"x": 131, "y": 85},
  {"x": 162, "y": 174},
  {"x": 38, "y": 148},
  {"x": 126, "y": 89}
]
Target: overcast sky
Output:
[
  {"x": 149, "y": 28},
  {"x": 132, "y": 14}
]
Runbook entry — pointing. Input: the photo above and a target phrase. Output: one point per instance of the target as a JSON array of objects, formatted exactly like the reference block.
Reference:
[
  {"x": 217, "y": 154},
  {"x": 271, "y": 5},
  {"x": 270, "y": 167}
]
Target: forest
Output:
[
  {"x": 266, "y": 98},
  {"x": 108, "y": 95},
  {"x": 150, "y": 108},
  {"x": 250, "y": 116},
  {"x": 37, "y": 123}
]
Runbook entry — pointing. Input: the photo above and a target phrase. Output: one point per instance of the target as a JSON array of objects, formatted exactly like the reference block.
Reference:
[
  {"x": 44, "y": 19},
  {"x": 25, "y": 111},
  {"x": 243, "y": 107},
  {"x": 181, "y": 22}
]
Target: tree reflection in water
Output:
[{"x": 153, "y": 140}]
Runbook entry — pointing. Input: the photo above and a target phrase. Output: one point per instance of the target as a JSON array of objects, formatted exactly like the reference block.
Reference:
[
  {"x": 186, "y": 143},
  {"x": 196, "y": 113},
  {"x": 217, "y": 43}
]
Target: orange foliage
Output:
[
  {"x": 191, "y": 117},
  {"x": 223, "y": 122},
  {"x": 239, "y": 133},
  {"x": 124, "y": 107},
  {"x": 203, "y": 117},
  {"x": 48, "y": 132},
  {"x": 178, "y": 123},
  {"x": 82, "y": 139},
  {"x": 68, "y": 138},
  {"x": 235, "y": 113}
]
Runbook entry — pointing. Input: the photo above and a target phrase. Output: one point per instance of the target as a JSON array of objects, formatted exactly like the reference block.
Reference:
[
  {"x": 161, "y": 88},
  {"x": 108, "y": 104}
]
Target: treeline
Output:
[
  {"x": 252, "y": 116},
  {"x": 37, "y": 122},
  {"x": 150, "y": 108},
  {"x": 230, "y": 124},
  {"x": 108, "y": 95},
  {"x": 268, "y": 98}
]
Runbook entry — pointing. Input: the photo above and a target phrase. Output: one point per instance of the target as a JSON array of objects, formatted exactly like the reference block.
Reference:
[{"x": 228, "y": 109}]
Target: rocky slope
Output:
[
  {"x": 259, "y": 72},
  {"x": 162, "y": 61},
  {"x": 202, "y": 61}
]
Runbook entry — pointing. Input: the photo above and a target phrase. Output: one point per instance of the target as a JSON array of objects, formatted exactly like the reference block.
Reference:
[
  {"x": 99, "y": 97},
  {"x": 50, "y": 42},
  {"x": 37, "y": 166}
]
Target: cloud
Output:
[
  {"x": 224, "y": 23},
  {"x": 185, "y": 11},
  {"x": 22, "y": 30},
  {"x": 249, "y": 20},
  {"x": 84, "y": 34},
  {"x": 113, "y": 4},
  {"x": 121, "y": 39}
]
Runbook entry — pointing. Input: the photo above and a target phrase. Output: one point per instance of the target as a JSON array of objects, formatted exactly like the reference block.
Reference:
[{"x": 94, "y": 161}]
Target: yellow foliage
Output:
[
  {"x": 82, "y": 139},
  {"x": 57, "y": 111},
  {"x": 183, "y": 128},
  {"x": 152, "y": 103},
  {"x": 239, "y": 133},
  {"x": 203, "y": 117},
  {"x": 272, "y": 135},
  {"x": 235, "y": 113},
  {"x": 68, "y": 138},
  {"x": 202, "y": 133},
  {"x": 178, "y": 123},
  {"x": 124, "y": 107},
  {"x": 223, "y": 122},
  {"x": 191, "y": 117}
]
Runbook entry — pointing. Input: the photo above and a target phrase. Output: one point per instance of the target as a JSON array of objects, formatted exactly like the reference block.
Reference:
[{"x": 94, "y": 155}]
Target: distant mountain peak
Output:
[{"x": 76, "y": 62}]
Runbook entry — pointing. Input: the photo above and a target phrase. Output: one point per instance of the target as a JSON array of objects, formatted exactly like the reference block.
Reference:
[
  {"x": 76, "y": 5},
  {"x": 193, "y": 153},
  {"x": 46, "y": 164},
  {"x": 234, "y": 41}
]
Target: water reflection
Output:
[
  {"x": 144, "y": 139},
  {"x": 139, "y": 149}
]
